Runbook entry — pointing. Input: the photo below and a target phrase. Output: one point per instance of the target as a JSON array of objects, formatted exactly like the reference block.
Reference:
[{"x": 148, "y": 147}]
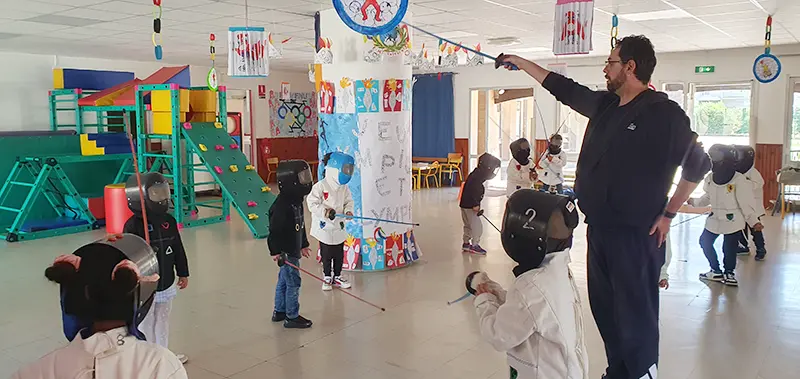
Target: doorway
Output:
[
  {"x": 794, "y": 121},
  {"x": 498, "y": 117}
]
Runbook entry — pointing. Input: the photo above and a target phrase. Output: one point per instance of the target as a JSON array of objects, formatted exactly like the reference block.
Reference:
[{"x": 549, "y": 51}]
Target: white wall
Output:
[
  {"x": 26, "y": 78},
  {"x": 770, "y": 105}
]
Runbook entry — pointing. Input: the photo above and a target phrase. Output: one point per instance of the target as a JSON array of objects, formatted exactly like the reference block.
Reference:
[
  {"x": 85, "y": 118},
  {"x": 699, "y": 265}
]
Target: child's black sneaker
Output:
[
  {"x": 297, "y": 323},
  {"x": 278, "y": 316}
]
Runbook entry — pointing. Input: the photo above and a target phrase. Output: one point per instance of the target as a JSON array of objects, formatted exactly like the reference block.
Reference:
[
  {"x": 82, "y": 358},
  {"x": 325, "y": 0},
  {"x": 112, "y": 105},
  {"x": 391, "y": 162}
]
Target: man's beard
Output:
[{"x": 614, "y": 84}]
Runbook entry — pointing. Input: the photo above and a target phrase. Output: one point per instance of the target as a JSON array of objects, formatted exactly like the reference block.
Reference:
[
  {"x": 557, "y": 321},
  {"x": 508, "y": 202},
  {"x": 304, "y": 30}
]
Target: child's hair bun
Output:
[
  {"x": 61, "y": 273},
  {"x": 125, "y": 281}
]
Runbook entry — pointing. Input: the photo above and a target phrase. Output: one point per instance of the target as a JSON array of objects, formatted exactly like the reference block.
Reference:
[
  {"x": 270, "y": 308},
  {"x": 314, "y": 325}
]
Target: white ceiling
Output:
[{"x": 121, "y": 29}]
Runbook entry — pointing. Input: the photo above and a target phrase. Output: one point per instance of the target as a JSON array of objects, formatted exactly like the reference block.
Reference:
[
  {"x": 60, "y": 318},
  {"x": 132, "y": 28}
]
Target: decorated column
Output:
[{"x": 364, "y": 87}]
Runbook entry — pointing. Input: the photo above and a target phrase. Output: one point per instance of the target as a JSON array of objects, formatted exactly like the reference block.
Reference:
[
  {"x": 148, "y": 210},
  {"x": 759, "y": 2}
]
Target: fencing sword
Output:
[
  {"x": 470, "y": 290},
  {"x": 283, "y": 261},
  {"x": 378, "y": 220},
  {"x": 489, "y": 221}
]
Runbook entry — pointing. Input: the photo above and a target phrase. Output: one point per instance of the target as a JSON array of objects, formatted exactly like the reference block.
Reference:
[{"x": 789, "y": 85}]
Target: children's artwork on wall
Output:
[
  {"x": 276, "y": 50},
  {"x": 387, "y": 174},
  {"x": 392, "y": 95},
  {"x": 344, "y": 140},
  {"x": 475, "y": 59},
  {"x": 247, "y": 52},
  {"x": 325, "y": 54},
  {"x": 345, "y": 96},
  {"x": 407, "y": 91},
  {"x": 395, "y": 256},
  {"x": 371, "y": 17},
  {"x": 352, "y": 253},
  {"x": 372, "y": 257},
  {"x": 451, "y": 59},
  {"x": 367, "y": 96},
  {"x": 410, "y": 247},
  {"x": 573, "y": 27},
  {"x": 372, "y": 54},
  {"x": 285, "y": 90},
  {"x": 293, "y": 117},
  {"x": 326, "y": 97}
]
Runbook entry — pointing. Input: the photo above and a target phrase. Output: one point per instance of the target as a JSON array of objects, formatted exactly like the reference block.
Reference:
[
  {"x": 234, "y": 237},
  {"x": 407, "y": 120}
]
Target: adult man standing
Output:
[{"x": 635, "y": 140}]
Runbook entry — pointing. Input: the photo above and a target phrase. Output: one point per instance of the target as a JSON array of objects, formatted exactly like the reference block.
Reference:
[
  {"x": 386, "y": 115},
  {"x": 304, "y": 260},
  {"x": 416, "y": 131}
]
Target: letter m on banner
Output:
[{"x": 573, "y": 27}]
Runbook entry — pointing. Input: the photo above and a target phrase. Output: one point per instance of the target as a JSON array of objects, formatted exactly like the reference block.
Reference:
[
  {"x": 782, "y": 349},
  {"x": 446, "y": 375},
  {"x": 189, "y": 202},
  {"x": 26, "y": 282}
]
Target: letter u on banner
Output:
[
  {"x": 573, "y": 27},
  {"x": 248, "y": 54}
]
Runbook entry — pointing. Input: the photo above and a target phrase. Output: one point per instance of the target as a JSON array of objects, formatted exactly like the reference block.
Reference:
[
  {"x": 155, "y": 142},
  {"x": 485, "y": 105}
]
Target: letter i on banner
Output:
[{"x": 573, "y": 27}]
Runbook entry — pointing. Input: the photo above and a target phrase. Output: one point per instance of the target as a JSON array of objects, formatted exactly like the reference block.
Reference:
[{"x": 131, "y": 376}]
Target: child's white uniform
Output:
[
  {"x": 552, "y": 170},
  {"x": 732, "y": 204},
  {"x": 518, "y": 176},
  {"x": 755, "y": 178},
  {"x": 329, "y": 194},
  {"x": 539, "y": 323}
]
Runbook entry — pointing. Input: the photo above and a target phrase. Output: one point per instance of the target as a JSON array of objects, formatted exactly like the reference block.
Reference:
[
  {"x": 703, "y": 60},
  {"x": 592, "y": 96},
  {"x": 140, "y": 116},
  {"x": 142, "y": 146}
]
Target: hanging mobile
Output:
[
  {"x": 211, "y": 79},
  {"x": 157, "y": 39},
  {"x": 614, "y": 31},
  {"x": 767, "y": 67}
]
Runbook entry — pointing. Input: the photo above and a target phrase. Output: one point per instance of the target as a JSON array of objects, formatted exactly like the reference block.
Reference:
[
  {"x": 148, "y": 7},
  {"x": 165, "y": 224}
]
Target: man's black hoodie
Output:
[
  {"x": 630, "y": 153},
  {"x": 165, "y": 239},
  {"x": 287, "y": 229}
]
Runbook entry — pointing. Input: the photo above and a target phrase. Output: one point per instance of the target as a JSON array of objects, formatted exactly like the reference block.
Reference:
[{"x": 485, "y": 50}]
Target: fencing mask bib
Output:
[{"x": 521, "y": 151}]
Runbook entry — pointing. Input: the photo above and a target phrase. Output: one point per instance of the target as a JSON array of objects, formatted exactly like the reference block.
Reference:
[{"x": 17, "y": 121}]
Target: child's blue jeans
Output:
[
  {"x": 730, "y": 246},
  {"x": 287, "y": 292}
]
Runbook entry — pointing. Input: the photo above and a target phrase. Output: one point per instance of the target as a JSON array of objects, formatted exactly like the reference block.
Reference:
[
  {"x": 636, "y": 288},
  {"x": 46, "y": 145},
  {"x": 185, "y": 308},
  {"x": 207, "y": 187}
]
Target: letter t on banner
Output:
[
  {"x": 573, "y": 27},
  {"x": 248, "y": 54}
]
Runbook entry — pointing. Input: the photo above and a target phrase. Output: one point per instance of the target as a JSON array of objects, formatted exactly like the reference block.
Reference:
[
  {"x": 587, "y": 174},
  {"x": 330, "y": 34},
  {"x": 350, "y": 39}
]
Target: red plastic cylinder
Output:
[{"x": 117, "y": 212}]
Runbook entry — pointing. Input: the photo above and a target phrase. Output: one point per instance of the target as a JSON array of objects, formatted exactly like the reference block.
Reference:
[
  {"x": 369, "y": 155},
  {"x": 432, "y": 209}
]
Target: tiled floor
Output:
[{"x": 222, "y": 320}]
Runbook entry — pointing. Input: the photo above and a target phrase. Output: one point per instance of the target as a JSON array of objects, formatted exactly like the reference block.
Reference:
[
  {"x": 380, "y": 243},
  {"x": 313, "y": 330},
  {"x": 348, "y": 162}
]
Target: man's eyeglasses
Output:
[{"x": 609, "y": 62}]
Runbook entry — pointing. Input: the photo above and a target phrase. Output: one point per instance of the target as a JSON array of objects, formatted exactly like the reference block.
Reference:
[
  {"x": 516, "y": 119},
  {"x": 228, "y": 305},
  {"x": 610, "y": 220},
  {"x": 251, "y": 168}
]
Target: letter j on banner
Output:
[
  {"x": 573, "y": 27},
  {"x": 247, "y": 52}
]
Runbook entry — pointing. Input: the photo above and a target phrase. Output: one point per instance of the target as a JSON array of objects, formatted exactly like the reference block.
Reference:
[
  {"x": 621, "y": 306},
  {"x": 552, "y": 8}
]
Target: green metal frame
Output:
[
  {"x": 49, "y": 180},
  {"x": 66, "y": 100},
  {"x": 180, "y": 162}
]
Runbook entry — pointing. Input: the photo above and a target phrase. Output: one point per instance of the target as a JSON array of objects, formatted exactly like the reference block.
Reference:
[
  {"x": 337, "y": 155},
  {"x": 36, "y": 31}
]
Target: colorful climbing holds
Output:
[
  {"x": 252, "y": 216},
  {"x": 249, "y": 167},
  {"x": 219, "y": 148},
  {"x": 218, "y": 125},
  {"x": 202, "y": 147},
  {"x": 234, "y": 168},
  {"x": 187, "y": 126},
  {"x": 265, "y": 189},
  {"x": 234, "y": 146},
  {"x": 251, "y": 203},
  {"x": 218, "y": 169}
]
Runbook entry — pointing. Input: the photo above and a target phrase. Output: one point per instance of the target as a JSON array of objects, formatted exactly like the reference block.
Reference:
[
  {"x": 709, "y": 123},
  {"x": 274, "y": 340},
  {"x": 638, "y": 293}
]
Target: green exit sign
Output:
[{"x": 703, "y": 69}]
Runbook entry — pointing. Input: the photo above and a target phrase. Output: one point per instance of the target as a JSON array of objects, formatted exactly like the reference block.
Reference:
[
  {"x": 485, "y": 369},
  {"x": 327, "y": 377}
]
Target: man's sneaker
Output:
[
  {"x": 341, "y": 282},
  {"x": 278, "y": 316},
  {"x": 297, "y": 323},
  {"x": 183, "y": 358},
  {"x": 466, "y": 248},
  {"x": 761, "y": 254},
  {"x": 327, "y": 284},
  {"x": 743, "y": 252},
  {"x": 477, "y": 249},
  {"x": 711, "y": 276},
  {"x": 730, "y": 279}
]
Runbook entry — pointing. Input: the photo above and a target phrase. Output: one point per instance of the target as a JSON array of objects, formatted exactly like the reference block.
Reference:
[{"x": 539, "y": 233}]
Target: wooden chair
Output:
[
  {"x": 272, "y": 168},
  {"x": 452, "y": 166},
  {"x": 432, "y": 171}
]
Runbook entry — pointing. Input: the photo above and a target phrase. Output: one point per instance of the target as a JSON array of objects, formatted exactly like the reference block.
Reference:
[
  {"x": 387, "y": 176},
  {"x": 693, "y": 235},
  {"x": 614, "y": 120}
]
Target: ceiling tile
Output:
[
  {"x": 71, "y": 3},
  {"x": 93, "y": 14},
  {"x": 271, "y": 16},
  {"x": 220, "y": 9},
  {"x": 24, "y": 27},
  {"x": 124, "y": 7},
  {"x": 16, "y": 15},
  {"x": 34, "y": 7}
]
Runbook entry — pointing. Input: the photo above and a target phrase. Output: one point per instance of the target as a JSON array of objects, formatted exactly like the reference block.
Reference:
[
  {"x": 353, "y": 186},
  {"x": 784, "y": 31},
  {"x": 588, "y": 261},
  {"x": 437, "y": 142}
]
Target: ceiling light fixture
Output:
[
  {"x": 509, "y": 7},
  {"x": 534, "y": 49},
  {"x": 669, "y": 14},
  {"x": 759, "y": 6},
  {"x": 698, "y": 19},
  {"x": 503, "y": 41}
]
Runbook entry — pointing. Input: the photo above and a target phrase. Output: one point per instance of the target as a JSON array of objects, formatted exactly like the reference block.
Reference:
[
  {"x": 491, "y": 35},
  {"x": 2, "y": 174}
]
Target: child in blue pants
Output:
[{"x": 288, "y": 241}]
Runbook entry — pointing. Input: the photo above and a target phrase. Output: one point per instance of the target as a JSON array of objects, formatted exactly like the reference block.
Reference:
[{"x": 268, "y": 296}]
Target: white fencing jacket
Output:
[
  {"x": 664, "y": 275},
  {"x": 518, "y": 176},
  {"x": 540, "y": 323},
  {"x": 732, "y": 204},
  {"x": 755, "y": 178},
  {"x": 552, "y": 171},
  {"x": 111, "y": 354},
  {"x": 329, "y": 194}
]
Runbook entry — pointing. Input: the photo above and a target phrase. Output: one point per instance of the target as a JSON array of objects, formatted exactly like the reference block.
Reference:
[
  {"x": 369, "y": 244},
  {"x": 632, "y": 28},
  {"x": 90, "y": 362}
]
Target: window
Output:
[
  {"x": 572, "y": 129},
  {"x": 794, "y": 123},
  {"x": 721, "y": 113},
  {"x": 676, "y": 93}
]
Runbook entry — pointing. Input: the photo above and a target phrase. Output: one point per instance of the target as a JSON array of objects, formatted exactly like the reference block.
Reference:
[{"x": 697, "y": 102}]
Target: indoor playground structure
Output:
[{"x": 56, "y": 182}]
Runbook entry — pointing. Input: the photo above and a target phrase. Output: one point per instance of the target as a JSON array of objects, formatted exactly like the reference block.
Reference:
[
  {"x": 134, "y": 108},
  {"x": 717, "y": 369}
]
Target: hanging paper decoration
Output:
[
  {"x": 276, "y": 52},
  {"x": 211, "y": 79},
  {"x": 767, "y": 67},
  {"x": 395, "y": 42},
  {"x": 451, "y": 59},
  {"x": 326, "y": 96},
  {"x": 416, "y": 58},
  {"x": 475, "y": 59},
  {"x": 247, "y": 55},
  {"x": 324, "y": 55},
  {"x": 373, "y": 54},
  {"x": 393, "y": 95},
  {"x": 345, "y": 97},
  {"x": 157, "y": 39},
  {"x": 573, "y": 27},
  {"x": 371, "y": 17},
  {"x": 614, "y": 31}
]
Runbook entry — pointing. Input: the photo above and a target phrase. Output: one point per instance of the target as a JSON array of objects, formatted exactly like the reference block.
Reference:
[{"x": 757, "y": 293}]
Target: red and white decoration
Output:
[
  {"x": 247, "y": 52},
  {"x": 573, "y": 27}
]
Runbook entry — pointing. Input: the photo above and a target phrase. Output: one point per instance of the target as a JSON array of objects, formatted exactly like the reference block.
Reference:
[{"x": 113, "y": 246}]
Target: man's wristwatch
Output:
[{"x": 669, "y": 215}]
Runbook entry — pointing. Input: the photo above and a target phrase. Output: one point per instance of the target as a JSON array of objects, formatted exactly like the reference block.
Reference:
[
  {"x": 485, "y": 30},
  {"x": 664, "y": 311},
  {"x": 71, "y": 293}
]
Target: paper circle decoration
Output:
[
  {"x": 211, "y": 79},
  {"x": 371, "y": 17},
  {"x": 766, "y": 68}
]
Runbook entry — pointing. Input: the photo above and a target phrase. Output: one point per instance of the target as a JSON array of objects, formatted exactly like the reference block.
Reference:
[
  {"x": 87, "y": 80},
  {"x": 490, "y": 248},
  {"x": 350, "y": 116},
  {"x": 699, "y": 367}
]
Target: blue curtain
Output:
[{"x": 433, "y": 125}]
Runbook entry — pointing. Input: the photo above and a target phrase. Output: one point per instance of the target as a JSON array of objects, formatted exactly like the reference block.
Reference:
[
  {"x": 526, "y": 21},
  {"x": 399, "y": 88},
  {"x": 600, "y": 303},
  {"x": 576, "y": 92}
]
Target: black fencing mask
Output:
[
  {"x": 745, "y": 158},
  {"x": 554, "y": 148},
  {"x": 723, "y": 163},
  {"x": 156, "y": 193},
  {"x": 521, "y": 151},
  {"x": 488, "y": 164},
  {"x": 534, "y": 224},
  {"x": 294, "y": 178}
]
